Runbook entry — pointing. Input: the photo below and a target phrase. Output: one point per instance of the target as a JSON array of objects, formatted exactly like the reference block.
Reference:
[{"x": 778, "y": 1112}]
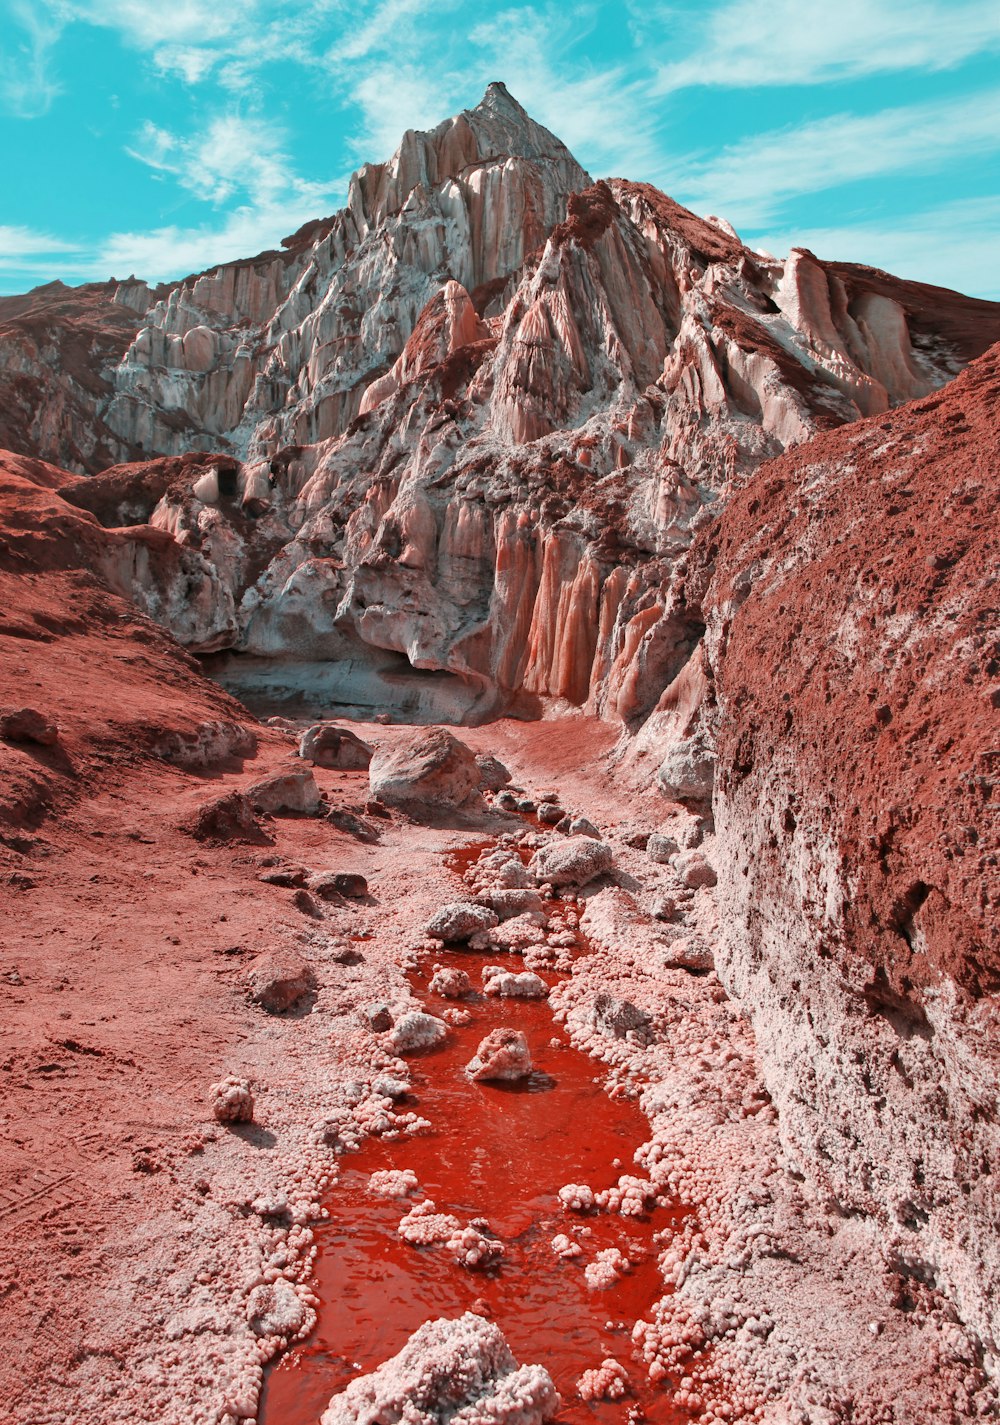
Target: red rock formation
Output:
[
  {"x": 70, "y": 645},
  {"x": 852, "y": 637},
  {"x": 483, "y": 411}
]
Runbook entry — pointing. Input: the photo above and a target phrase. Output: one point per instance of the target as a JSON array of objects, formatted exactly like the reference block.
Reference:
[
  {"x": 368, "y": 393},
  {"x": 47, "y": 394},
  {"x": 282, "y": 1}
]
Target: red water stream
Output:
[{"x": 500, "y": 1152}]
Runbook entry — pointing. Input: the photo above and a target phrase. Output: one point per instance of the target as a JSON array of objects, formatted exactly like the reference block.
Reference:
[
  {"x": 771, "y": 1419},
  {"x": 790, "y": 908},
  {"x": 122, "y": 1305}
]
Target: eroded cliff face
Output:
[
  {"x": 481, "y": 413},
  {"x": 854, "y": 681},
  {"x": 59, "y": 347}
]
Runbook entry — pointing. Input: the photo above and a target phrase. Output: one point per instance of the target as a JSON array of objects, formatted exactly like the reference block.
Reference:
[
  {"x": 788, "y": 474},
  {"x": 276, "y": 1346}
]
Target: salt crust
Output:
[{"x": 458, "y": 1372}]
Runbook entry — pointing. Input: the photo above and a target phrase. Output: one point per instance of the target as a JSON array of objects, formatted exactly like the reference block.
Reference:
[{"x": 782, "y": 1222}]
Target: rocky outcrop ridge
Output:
[
  {"x": 474, "y": 420},
  {"x": 59, "y": 347},
  {"x": 853, "y": 681}
]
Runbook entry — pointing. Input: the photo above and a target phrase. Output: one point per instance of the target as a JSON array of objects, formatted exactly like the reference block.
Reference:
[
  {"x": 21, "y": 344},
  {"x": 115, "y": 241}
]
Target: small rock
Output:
[
  {"x": 455, "y": 922},
  {"x": 580, "y": 826},
  {"x": 660, "y": 848},
  {"x": 620, "y": 1019},
  {"x": 232, "y": 1101},
  {"x": 549, "y": 813},
  {"x": 388, "y": 1087},
  {"x": 331, "y": 885},
  {"x": 376, "y": 1017},
  {"x": 449, "y": 984},
  {"x": 503, "y": 1055},
  {"x": 695, "y": 871},
  {"x": 416, "y": 1030},
  {"x": 510, "y": 902},
  {"x": 506, "y": 801},
  {"x": 307, "y": 904},
  {"x": 573, "y": 862},
  {"x": 507, "y": 985},
  {"x": 493, "y": 775},
  {"x": 638, "y": 840},
  {"x": 327, "y": 745},
  {"x": 28, "y": 725},
  {"x": 664, "y": 908},
  {"x": 290, "y": 877},
  {"x": 288, "y": 792},
  {"x": 275, "y": 1309},
  {"x": 228, "y": 818},
  {"x": 688, "y": 954},
  {"x": 279, "y": 980}
]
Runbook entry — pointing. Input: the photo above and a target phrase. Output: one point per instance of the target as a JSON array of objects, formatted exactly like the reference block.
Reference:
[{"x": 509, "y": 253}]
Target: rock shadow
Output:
[{"x": 254, "y": 1134}]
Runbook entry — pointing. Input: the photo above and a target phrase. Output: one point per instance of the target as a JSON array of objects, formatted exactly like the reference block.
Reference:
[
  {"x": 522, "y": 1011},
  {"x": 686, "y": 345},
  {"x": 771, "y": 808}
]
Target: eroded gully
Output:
[{"x": 499, "y": 1152}]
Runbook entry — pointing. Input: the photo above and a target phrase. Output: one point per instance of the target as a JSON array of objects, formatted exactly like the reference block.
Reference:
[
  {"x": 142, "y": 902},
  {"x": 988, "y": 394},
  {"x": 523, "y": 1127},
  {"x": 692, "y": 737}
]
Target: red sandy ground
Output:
[{"x": 128, "y": 1239}]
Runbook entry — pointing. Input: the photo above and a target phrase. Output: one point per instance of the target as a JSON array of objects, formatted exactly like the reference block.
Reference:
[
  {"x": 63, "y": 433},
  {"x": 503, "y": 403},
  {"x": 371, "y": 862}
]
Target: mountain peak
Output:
[
  {"x": 495, "y": 131},
  {"x": 498, "y": 98}
]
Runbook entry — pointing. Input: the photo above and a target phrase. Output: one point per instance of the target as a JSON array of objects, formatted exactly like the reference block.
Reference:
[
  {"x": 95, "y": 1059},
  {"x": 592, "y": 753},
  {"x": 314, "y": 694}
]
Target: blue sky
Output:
[{"x": 162, "y": 136}]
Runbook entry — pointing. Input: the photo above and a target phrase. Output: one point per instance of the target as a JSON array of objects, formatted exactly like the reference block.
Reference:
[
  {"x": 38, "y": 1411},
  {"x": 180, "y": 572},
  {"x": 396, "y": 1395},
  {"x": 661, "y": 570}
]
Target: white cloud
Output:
[
  {"x": 382, "y": 30},
  {"x": 27, "y": 87},
  {"x": 952, "y": 246},
  {"x": 172, "y": 22},
  {"x": 234, "y": 154},
  {"x": 171, "y": 252},
  {"x": 748, "y": 182},
  {"x": 17, "y": 243},
  {"x": 744, "y": 44}
]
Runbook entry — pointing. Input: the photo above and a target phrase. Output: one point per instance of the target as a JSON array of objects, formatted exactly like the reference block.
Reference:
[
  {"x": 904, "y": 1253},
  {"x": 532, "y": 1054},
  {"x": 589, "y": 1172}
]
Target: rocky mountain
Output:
[
  {"x": 496, "y": 438},
  {"x": 479, "y": 414}
]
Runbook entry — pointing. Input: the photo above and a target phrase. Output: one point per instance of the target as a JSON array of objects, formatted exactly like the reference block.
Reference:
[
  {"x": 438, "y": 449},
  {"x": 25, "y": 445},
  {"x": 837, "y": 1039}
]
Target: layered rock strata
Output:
[{"x": 852, "y": 689}]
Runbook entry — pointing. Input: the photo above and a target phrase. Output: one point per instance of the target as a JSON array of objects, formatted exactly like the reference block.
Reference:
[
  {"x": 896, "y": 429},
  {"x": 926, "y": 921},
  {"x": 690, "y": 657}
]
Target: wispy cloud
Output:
[
  {"x": 749, "y": 181},
  {"x": 236, "y": 158},
  {"x": 27, "y": 85},
  {"x": 952, "y": 246},
  {"x": 170, "y": 252},
  {"x": 744, "y": 44},
  {"x": 22, "y": 246},
  {"x": 234, "y": 155}
]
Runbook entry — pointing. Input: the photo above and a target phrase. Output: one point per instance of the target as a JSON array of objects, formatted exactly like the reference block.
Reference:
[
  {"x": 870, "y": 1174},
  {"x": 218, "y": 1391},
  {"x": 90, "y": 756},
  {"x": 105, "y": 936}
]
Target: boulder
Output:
[
  {"x": 287, "y": 792},
  {"x": 502, "y": 1056},
  {"x": 232, "y": 1101},
  {"x": 449, "y": 1370},
  {"x": 28, "y": 725},
  {"x": 327, "y": 745},
  {"x": 426, "y": 768},
  {"x": 459, "y": 920},
  {"x": 573, "y": 862},
  {"x": 279, "y": 980}
]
